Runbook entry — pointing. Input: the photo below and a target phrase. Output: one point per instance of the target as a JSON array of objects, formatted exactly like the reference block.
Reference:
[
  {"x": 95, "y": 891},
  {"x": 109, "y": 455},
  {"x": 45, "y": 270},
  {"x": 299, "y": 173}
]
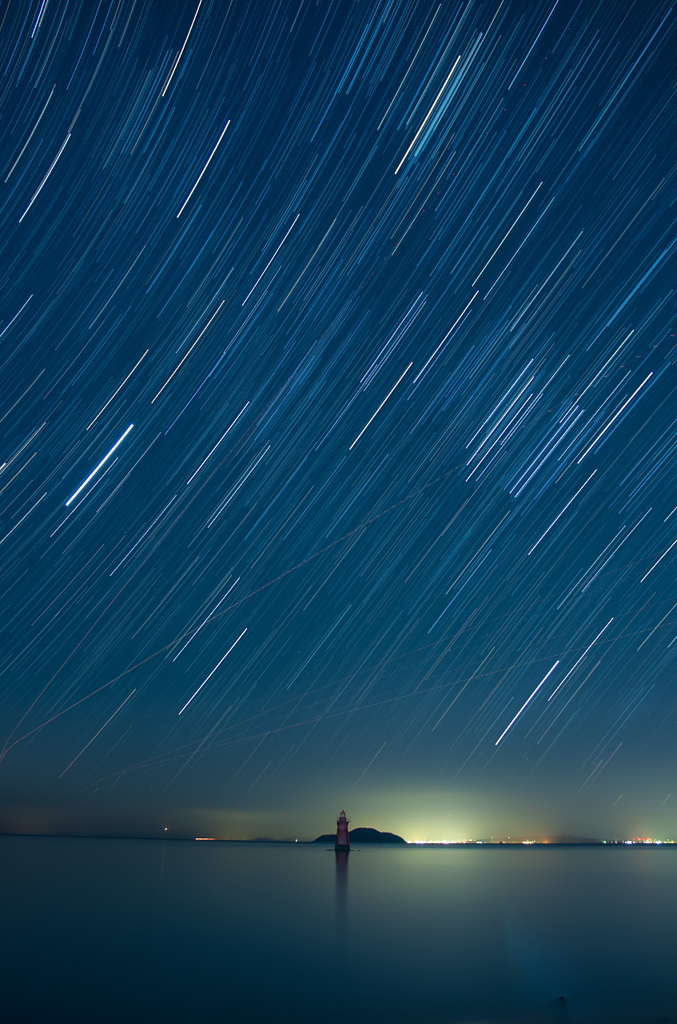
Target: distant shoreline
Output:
[{"x": 357, "y": 846}]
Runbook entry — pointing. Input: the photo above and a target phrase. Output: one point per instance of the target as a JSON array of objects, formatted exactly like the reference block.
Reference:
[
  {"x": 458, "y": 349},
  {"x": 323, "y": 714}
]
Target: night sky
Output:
[{"x": 339, "y": 417}]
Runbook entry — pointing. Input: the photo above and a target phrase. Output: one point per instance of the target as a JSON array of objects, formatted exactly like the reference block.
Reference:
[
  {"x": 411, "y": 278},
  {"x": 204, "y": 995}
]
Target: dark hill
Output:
[{"x": 365, "y": 835}]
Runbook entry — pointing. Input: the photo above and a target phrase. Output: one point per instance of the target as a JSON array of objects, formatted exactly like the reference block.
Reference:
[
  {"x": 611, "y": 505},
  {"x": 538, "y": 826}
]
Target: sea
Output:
[{"x": 101, "y": 931}]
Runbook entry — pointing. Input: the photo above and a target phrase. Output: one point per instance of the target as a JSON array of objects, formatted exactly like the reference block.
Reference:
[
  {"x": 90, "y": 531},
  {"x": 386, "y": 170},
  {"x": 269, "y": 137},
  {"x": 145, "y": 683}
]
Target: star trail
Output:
[{"x": 338, "y": 410}]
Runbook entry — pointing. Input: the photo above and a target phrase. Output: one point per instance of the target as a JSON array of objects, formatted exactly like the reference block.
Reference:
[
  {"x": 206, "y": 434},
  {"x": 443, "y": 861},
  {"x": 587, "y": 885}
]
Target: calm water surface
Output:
[{"x": 106, "y": 930}]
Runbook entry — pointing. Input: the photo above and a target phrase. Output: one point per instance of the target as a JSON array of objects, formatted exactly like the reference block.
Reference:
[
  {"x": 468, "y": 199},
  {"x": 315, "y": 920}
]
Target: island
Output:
[{"x": 365, "y": 835}]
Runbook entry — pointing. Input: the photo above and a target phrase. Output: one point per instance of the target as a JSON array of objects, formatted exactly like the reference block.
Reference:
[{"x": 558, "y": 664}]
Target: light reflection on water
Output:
[
  {"x": 341, "y": 861},
  {"x": 120, "y": 930}
]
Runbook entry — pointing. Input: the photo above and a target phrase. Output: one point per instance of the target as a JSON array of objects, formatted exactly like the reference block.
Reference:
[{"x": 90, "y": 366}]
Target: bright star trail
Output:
[
  {"x": 346, "y": 330},
  {"x": 98, "y": 466}
]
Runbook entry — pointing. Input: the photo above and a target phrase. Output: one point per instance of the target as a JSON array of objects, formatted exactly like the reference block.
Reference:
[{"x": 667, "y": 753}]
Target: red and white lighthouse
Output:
[{"x": 342, "y": 837}]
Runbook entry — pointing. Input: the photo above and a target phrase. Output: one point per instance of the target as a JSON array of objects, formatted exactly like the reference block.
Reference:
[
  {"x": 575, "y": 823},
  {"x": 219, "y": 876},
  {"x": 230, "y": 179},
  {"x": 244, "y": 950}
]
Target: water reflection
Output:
[
  {"x": 430, "y": 936},
  {"x": 341, "y": 900}
]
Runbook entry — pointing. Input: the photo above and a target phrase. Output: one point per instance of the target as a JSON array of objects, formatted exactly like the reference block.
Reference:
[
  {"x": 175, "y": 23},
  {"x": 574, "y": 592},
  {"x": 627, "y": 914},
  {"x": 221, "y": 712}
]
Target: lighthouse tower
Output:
[{"x": 342, "y": 837}]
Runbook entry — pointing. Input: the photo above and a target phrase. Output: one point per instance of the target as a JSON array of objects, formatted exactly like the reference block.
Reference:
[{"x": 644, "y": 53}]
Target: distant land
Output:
[
  {"x": 557, "y": 840},
  {"x": 364, "y": 835},
  {"x": 368, "y": 836}
]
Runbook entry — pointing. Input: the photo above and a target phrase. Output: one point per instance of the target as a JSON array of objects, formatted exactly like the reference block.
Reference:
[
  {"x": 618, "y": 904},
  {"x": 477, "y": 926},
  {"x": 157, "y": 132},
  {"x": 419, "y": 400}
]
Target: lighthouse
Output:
[{"x": 342, "y": 837}]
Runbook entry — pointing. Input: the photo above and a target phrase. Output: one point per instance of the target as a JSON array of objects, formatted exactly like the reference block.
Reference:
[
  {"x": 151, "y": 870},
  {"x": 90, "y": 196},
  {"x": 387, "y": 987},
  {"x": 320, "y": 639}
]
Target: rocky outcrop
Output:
[{"x": 364, "y": 836}]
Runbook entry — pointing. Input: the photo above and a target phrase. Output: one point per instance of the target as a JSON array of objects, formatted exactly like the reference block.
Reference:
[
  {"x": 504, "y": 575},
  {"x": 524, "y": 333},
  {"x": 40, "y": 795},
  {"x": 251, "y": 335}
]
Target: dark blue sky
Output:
[{"x": 338, "y": 416}]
